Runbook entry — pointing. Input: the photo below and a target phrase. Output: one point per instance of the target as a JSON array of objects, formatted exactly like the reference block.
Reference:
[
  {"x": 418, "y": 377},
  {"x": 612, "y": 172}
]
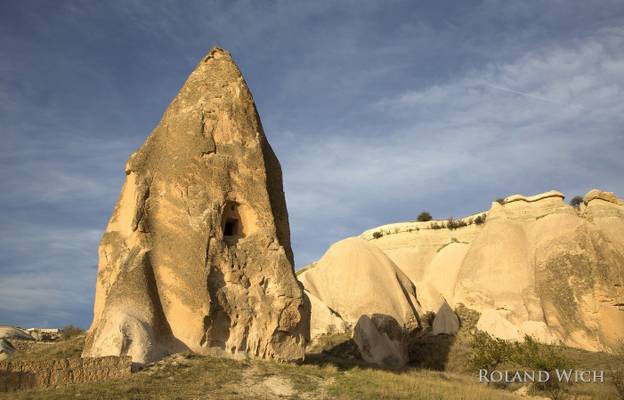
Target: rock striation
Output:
[
  {"x": 21, "y": 375},
  {"x": 537, "y": 266},
  {"x": 196, "y": 255}
]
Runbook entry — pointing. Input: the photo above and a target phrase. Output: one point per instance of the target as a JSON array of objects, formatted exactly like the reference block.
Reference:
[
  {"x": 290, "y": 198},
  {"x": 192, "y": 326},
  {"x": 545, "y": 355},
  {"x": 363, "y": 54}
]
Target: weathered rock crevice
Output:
[{"x": 197, "y": 252}]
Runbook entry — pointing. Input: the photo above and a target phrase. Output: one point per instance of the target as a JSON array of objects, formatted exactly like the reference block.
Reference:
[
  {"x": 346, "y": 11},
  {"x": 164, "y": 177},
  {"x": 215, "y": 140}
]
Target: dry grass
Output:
[
  {"x": 189, "y": 376},
  {"x": 326, "y": 375},
  {"x": 69, "y": 348},
  {"x": 214, "y": 378}
]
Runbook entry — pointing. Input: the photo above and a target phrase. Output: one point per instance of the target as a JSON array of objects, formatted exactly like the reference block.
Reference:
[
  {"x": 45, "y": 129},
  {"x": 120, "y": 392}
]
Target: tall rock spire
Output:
[{"x": 197, "y": 255}]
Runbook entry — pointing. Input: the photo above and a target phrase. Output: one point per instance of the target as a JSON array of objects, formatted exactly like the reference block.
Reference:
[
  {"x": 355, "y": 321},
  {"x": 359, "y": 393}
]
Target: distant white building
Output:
[{"x": 45, "y": 334}]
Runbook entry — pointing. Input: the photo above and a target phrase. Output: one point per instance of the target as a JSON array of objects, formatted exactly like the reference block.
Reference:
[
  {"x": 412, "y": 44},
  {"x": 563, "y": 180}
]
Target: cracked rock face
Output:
[{"x": 197, "y": 255}]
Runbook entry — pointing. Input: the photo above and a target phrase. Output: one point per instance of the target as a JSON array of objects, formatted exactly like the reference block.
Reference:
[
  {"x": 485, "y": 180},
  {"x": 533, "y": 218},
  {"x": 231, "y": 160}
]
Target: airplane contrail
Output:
[{"x": 532, "y": 96}]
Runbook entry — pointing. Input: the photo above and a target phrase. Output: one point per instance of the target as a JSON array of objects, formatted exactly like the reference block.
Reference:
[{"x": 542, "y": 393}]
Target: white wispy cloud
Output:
[
  {"x": 375, "y": 111},
  {"x": 555, "y": 129}
]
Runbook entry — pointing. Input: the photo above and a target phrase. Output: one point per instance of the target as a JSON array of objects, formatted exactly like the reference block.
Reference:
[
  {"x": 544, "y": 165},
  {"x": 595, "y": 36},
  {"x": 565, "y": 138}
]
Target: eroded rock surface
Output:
[
  {"x": 6, "y": 349},
  {"x": 537, "y": 267},
  {"x": 381, "y": 341},
  {"x": 355, "y": 278},
  {"x": 445, "y": 321},
  {"x": 20, "y": 375},
  {"x": 197, "y": 255},
  {"x": 324, "y": 320}
]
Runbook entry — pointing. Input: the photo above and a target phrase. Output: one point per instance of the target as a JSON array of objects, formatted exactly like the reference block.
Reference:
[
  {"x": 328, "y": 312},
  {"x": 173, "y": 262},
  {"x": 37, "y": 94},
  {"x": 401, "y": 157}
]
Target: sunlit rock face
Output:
[
  {"x": 197, "y": 255},
  {"x": 355, "y": 278},
  {"x": 537, "y": 266}
]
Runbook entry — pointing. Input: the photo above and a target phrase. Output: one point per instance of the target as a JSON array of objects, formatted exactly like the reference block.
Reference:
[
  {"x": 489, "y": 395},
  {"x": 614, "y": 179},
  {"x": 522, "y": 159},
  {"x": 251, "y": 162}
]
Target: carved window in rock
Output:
[{"x": 237, "y": 222}]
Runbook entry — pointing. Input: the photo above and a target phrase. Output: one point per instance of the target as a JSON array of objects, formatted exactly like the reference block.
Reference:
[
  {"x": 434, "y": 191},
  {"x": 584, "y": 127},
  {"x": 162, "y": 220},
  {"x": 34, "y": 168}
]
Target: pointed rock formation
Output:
[
  {"x": 445, "y": 321},
  {"x": 197, "y": 255}
]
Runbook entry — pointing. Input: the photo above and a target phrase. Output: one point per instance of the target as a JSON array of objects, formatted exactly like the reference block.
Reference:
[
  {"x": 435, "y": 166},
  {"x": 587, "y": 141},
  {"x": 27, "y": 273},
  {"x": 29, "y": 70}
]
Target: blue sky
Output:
[{"x": 377, "y": 110}]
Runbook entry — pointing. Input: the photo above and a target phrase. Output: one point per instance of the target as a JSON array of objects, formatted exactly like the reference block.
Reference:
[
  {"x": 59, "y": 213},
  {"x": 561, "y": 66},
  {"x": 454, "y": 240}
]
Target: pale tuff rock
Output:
[
  {"x": 493, "y": 322},
  {"x": 324, "y": 320},
  {"x": 445, "y": 321},
  {"x": 519, "y": 207},
  {"x": 8, "y": 333},
  {"x": 413, "y": 251},
  {"x": 497, "y": 324},
  {"x": 543, "y": 263},
  {"x": 6, "y": 349},
  {"x": 442, "y": 271},
  {"x": 355, "y": 278},
  {"x": 549, "y": 270},
  {"x": 11, "y": 332},
  {"x": 413, "y": 226},
  {"x": 532, "y": 199},
  {"x": 599, "y": 194},
  {"x": 197, "y": 255},
  {"x": 540, "y": 332},
  {"x": 381, "y": 341}
]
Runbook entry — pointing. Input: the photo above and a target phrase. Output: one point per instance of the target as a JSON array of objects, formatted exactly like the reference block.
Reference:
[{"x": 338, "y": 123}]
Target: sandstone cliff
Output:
[
  {"x": 197, "y": 255},
  {"x": 537, "y": 266}
]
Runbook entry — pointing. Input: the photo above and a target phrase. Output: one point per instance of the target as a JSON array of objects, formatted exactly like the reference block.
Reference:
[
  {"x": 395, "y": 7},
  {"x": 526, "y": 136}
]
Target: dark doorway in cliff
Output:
[
  {"x": 233, "y": 228},
  {"x": 230, "y": 227}
]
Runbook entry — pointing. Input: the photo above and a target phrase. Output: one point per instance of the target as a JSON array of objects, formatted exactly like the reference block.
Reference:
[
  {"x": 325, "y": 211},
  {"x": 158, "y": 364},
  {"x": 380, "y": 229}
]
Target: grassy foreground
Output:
[
  {"x": 336, "y": 374},
  {"x": 187, "y": 376}
]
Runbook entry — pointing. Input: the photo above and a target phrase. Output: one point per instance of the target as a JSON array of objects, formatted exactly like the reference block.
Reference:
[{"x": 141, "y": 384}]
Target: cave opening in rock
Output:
[
  {"x": 233, "y": 228},
  {"x": 230, "y": 227}
]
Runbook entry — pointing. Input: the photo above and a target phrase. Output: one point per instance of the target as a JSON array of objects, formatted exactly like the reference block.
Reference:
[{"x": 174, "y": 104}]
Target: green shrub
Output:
[
  {"x": 424, "y": 217},
  {"x": 450, "y": 223},
  {"x": 480, "y": 219},
  {"x": 377, "y": 234},
  {"x": 488, "y": 352},
  {"x": 435, "y": 225},
  {"x": 538, "y": 356},
  {"x": 455, "y": 223},
  {"x": 429, "y": 317},
  {"x": 576, "y": 201},
  {"x": 70, "y": 331}
]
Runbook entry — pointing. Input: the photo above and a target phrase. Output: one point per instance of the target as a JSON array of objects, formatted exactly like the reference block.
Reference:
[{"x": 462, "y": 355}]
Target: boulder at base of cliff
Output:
[
  {"x": 324, "y": 320},
  {"x": 381, "y": 341},
  {"x": 6, "y": 349},
  {"x": 445, "y": 321}
]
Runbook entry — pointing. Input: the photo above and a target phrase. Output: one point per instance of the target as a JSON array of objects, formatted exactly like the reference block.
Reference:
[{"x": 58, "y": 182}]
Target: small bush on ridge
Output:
[
  {"x": 424, "y": 216},
  {"x": 70, "y": 331},
  {"x": 576, "y": 201}
]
